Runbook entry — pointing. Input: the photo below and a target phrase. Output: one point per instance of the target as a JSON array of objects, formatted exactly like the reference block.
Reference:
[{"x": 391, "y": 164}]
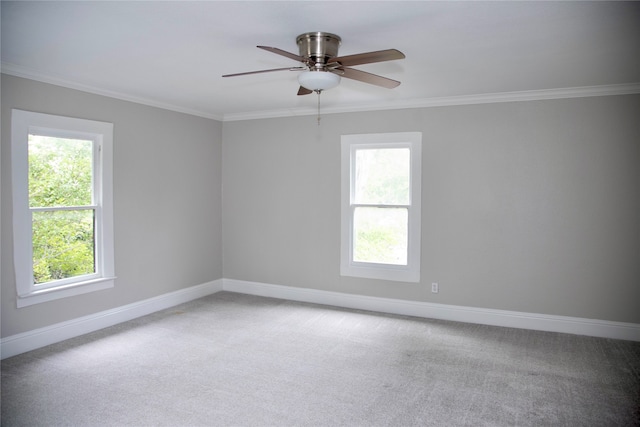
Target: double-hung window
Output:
[
  {"x": 381, "y": 206},
  {"x": 62, "y": 206}
]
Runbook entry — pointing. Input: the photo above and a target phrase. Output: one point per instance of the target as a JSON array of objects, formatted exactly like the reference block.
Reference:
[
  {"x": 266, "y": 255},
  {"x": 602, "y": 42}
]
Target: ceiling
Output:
[{"x": 173, "y": 54}]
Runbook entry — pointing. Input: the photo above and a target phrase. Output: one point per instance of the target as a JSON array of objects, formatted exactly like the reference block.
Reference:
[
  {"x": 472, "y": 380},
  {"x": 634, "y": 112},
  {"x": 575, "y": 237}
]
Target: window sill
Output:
[
  {"x": 381, "y": 272},
  {"x": 52, "y": 294}
]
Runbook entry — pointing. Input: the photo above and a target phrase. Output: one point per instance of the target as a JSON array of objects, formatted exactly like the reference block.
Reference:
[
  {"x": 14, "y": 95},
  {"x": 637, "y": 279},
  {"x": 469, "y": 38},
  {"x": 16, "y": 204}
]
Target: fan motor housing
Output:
[{"x": 319, "y": 47}]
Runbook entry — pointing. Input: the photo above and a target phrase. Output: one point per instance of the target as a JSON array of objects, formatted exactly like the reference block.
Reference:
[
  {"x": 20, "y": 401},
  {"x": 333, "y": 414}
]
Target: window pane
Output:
[
  {"x": 380, "y": 235},
  {"x": 382, "y": 176},
  {"x": 60, "y": 171},
  {"x": 63, "y": 244}
]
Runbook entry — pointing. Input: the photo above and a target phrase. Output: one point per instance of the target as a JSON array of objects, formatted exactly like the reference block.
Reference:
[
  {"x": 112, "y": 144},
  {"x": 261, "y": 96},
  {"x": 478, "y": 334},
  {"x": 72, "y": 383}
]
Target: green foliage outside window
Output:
[
  {"x": 382, "y": 178},
  {"x": 60, "y": 176},
  {"x": 381, "y": 235}
]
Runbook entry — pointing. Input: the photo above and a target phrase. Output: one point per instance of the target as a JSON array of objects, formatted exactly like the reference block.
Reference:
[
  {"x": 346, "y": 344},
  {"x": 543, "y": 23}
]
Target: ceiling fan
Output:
[{"x": 323, "y": 68}]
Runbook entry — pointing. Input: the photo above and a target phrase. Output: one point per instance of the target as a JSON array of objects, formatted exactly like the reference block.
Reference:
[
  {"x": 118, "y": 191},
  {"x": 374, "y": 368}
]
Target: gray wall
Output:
[
  {"x": 527, "y": 206},
  {"x": 167, "y": 201}
]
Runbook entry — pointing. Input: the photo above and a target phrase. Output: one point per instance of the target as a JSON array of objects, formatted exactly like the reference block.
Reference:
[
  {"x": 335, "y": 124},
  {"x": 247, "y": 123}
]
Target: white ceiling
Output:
[{"x": 172, "y": 54}]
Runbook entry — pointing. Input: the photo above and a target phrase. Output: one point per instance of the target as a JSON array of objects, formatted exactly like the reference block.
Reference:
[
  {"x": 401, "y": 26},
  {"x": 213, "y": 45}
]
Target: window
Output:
[
  {"x": 381, "y": 206},
  {"x": 62, "y": 206}
]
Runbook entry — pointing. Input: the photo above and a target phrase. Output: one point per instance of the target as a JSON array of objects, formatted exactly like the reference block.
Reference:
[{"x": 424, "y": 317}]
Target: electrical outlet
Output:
[{"x": 434, "y": 287}]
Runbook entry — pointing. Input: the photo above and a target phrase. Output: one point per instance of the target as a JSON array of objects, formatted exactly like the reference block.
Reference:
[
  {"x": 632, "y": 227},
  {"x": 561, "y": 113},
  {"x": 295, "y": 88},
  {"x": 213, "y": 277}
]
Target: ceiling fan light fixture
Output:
[{"x": 318, "y": 80}]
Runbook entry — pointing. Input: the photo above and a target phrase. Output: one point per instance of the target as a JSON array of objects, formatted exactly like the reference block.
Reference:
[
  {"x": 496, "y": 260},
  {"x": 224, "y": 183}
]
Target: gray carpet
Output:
[{"x": 240, "y": 360}]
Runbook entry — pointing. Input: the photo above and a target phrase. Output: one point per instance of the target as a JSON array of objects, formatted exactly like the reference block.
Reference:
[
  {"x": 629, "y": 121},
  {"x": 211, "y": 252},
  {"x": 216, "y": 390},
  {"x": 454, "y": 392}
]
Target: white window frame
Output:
[
  {"x": 349, "y": 145},
  {"x": 101, "y": 133}
]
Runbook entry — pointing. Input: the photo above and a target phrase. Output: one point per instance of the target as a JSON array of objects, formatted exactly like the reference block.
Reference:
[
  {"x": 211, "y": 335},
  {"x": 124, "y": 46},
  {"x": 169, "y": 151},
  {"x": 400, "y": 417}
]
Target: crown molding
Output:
[
  {"x": 487, "y": 98},
  {"x": 27, "y": 73},
  {"x": 448, "y": 101}
]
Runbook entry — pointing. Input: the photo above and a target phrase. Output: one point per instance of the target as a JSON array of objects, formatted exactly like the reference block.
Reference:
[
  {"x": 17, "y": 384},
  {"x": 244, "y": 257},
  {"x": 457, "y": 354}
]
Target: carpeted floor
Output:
[{"x": 238, "y": 360}]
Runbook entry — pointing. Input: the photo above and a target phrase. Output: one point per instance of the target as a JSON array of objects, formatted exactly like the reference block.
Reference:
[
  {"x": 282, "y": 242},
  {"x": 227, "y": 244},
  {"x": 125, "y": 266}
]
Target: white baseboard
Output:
[
  {"x": 31, "y": 340},
  {"x": 511, "y": 319}
]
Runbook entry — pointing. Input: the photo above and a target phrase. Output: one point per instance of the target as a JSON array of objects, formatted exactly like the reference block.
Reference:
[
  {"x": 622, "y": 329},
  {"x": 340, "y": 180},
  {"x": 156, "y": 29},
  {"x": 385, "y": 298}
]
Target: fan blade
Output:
[
  {"x": 369, "y": 57},
  {"x": 304, "y": 91},
  {"x": 265, "y": 71},
  {"x": 374, "y": 79},
  {"x": 283, "y": 53}
]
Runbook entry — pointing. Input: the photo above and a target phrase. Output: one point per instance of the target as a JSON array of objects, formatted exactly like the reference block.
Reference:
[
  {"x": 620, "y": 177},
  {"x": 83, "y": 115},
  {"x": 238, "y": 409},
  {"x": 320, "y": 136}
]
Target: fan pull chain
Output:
[{"x": 318, "y": 92}]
